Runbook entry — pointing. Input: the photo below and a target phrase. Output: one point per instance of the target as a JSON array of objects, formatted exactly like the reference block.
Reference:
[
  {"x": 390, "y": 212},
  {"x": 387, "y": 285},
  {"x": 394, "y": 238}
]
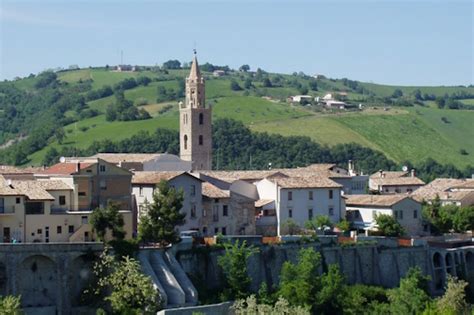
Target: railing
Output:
[
  {"x": 7, "y": 209},
  {"x": 59, "y": 210},
  {"x": 266, "y": 220}
]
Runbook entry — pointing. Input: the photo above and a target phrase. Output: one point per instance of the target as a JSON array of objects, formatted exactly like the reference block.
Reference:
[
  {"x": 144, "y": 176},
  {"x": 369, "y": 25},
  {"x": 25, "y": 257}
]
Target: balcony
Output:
[
  {"x": 59, "y": 210},
  {"x": 7, "y": 210},
  {"x": 266, "y": 220}
]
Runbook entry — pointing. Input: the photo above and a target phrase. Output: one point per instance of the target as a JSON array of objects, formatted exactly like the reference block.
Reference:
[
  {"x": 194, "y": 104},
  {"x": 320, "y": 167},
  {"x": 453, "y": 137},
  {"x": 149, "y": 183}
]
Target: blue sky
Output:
[{"x": 393, "y": 42}]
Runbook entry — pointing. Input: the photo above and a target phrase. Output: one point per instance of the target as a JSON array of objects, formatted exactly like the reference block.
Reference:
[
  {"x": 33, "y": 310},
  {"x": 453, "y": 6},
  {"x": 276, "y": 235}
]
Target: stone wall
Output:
[
  {"x": 50, "y": 277},
  {"x": 374, "y": 265}
]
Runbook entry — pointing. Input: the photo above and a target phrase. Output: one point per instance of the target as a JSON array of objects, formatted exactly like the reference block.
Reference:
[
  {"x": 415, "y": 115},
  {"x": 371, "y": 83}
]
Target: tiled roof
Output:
[
  {"x": 262, "y": 202},
  {"x": 6, "y": 190},
  {"x": 436, "y": 187},
  {"x": 7, "y": 169},
  {"x": 305, "y": 182},
  {"x": 374, "y": 200},
  {"x": 126, "y": 157},
  {"x": 466, "y": 184},
  {"x": 389, "y": 174},
  {"x": 211, "y": 191},
  {"x": 52, "y": 184},
  {"x": 397, "y": 181},
  {"x": 66, "y": 168},
  {"x": 33, "y": 189},
  {"x": 153, "y": 178}
]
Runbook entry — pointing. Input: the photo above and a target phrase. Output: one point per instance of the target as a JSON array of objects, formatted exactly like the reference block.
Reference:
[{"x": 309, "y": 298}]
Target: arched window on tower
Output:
[
  {"x": 201, "y": 118},
  {"x": 201, "y": 140},
  {"x": 185, "y": 142}
]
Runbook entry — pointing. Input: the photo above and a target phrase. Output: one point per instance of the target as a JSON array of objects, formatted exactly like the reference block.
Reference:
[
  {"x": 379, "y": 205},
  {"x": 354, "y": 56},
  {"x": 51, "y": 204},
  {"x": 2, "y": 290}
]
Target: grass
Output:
[{"x": 387, "y": 90}]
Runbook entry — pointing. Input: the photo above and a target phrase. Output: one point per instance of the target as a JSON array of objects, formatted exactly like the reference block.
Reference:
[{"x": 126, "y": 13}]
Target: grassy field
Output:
[{"x": 387, "y": 90}]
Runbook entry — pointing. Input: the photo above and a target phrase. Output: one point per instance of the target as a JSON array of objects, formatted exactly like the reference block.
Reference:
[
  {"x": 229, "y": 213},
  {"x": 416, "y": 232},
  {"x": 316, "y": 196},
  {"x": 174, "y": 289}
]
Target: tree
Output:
[
  {"x": 397, "y": 93},
  {"x": 248, "y": 83},
  {"x": 463, "y": 219},
  {"x": 291, "y": 227},
  {"x": 143, "y": 80},
  {"x": 267, "y": 82},
  {"x": 281, "y": 307},
  {"x": 59, "y": 134},
  {"x": 411, "y": 296},
  {"x": 313, "y": 85},
  {"x": 172, "y": 64},
  {"x": 318, "y": 222},
  {"x": 299, "y": 282},
  {"x": 127, "y": 289},
  {"x": 330, "y": 298},
  {"x": 303, "y": 90},
  {"x": 234, "y": 86},
  {"x": 454, "y": 299},
  {"x": 234, "y": 266},
  {"x": 51, "y": 156},
  {"x": 344, "y": 225},
  {"x": 108, "y": 219},
  {"x": 388, "y": 225},
  {"x": 10, "y": 305},
  {"x": 162, "y": 216},
  {"x": 244, "y": 68}
]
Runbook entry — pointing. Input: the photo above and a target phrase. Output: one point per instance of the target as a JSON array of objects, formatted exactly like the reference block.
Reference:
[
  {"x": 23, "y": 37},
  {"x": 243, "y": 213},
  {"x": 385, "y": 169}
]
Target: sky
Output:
[{"x": 418, "y": 42}]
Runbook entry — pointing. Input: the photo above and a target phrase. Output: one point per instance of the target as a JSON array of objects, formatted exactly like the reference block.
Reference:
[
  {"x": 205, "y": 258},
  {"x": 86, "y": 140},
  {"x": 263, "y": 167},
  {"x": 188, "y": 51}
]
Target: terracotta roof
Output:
[
  {"x": 52, "y": 184},
  {"x": 389, "y": 174},
  {"x": 66, "y": 168},
  {"x": 459, "y": 195},
  {"x": 397, "y": 181},
  {"x": 305, "y": 182},
  {"x": 7, "y": 169},
  {"x": 263, "y": 202},
  {"x": 211, "y": 191},
  {"x": 375, "y": 200},
  {"x": 32, "y": 189},
  {"x": 466, "y": 184},
  {"x": 436, "y": 187},
  {"x": 126, "y": 157},
  {"x": 152, "y": 178},
  {"x": 6, "y": 190}
]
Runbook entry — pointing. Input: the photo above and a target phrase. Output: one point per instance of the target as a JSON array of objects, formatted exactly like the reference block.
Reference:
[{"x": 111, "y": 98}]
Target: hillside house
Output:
[
  {"x": 144, "y": 185},
  {"x": 386, "y": 182},
  {"x": 301, "y": 98},
  {"x": 218, "y": 73},
  {"x": 361, "y": 211}
]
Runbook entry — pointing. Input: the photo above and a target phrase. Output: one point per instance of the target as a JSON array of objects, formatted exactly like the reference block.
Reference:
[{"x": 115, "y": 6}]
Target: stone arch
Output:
[
  {"x": 3, "y": 279},
  {"x": 437, "y": 262},
  {"x": 469, "y": 261},
  {"x": 438, "y": 270},
  {"x": 38, "y": 281},
  {"x": 80, "y": 277},
  {"x": 449, "y": 264}
]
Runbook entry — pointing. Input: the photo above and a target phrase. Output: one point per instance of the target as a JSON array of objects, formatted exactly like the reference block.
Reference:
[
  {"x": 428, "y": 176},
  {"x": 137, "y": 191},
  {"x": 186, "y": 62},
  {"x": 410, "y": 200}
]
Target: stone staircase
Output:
[{"x": 168, "y": 277}]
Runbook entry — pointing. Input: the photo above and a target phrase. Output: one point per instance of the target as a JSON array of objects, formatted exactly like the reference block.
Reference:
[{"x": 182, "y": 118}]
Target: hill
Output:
[{"x": 414, "y": 132}]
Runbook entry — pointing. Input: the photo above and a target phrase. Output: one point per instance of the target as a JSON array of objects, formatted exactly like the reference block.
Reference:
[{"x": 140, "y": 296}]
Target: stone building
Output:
[
  {"x": 195, "y": 125},
  {"x": 393, "y": 182}
]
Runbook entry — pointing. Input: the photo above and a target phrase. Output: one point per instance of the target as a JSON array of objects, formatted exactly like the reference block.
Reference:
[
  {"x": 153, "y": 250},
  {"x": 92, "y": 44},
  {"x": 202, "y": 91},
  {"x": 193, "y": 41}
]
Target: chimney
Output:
[
  {"x": 78, "y": 167},
  {"x": 413, "y": 172},
  {"x": 381, "y": 175}
]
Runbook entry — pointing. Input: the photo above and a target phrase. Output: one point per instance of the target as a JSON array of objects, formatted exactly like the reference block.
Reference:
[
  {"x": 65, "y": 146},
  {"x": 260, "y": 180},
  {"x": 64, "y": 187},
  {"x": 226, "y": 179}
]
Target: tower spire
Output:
[{"x": 195, "y": 73}]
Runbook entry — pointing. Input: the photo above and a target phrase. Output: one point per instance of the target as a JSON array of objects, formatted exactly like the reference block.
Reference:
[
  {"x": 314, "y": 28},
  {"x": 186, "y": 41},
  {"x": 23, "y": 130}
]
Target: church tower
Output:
[{"x": 195, "y": 126}]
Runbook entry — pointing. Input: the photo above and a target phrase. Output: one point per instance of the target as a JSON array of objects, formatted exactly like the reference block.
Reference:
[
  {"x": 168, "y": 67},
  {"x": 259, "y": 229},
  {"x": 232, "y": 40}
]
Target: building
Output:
[
  {"x": 229, "y": 210},
  {"x": 300, "y": 98},
  {"x": 386, "y": 182},
  {"x": 195, "y": 125},
  {"x": 126, "y": 68},
  {"x": 299, "y": 199},
  {"x": 218, "y": 73},
  {"x": 450, "y": 191},
  {"x": 336, "y": 104},
  {"x": 55, "y": 205},
  {"x": 158, "y": 162},
  {"x": 144, "y": 185},
  {"x": 361, "y": 211}
]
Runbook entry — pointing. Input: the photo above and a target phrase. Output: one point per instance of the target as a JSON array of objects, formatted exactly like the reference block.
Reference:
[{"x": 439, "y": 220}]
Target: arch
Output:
[
  {"x": 201, "y": 140},
  {"x": 201, "y": 118},
  {"x": 470, "y": 261},
  {"x": 449, "y": 264},
  {"x": 185, "y": 142},
  {"x": 38, "y": 281},
  {"x": 437, "y": 263},
  {"x": 80, "y": 277}
]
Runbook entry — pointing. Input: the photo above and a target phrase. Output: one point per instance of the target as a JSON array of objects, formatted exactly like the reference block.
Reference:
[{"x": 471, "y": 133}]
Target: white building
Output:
[
  {"x": 450, "y": 191},
  {"x": 144, "y": 185},
  {"x": 299, "y": 98},
  {"x": 300, "y": 199},
  {"x": 361, "y": 210},
  {"x": 386, "y": 182}
]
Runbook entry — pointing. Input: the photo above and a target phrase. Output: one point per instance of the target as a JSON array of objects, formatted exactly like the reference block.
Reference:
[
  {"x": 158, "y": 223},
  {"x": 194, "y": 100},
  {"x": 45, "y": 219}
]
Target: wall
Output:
[{"x": 360, "y": 264}]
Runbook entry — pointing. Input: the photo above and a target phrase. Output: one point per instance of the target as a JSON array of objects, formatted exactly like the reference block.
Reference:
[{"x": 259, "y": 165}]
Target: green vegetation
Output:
[
  {"x": 108, "y": 219},
  {"x": 389, "y": 226},
  {"x": 158, "y": 224},
  {"x": 449, "y": 218},
  {"x": 10, "y": 305}
]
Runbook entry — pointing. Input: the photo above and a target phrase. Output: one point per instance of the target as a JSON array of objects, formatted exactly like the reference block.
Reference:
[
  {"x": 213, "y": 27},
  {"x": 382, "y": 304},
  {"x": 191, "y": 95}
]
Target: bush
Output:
[{"x": 141, "y": 101}]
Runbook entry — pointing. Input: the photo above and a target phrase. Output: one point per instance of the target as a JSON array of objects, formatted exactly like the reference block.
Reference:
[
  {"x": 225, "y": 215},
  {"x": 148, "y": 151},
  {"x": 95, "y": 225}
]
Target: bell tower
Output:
[{"x": 195, "y": 125}]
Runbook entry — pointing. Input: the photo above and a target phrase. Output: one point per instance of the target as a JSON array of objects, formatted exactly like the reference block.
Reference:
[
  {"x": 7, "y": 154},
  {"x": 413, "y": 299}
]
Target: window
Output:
[
  {"x": 84, "y": 219},
  {"x": 103, "y": 184},
  {"x": 216, "y": 230},
  {"x": 71, "y": 229},
  {"x": 185, "y": 142},
  {"x": 201, "y": 119},
  {"x": 193, "y": 190},
  {"x": 400, "y": 213},
  {"x": 204, "y": 212},
  {"x": 82, "y": 193},
  {"x": 201, "y": 140},
  {"x": 290, "y": 213},
  {"x": 59, "y": 229},
  {"x": 18, "y": 200},
  {"x": 415, "y": 214},
  {"x": 409, "y": 190},
  {"x": 310, "y": 195},
  {"x": 397, "y": 190},
  {"x": 34, "y": 208},
  {"x": 204, "y": 230},
  {"x": 102, "y": 168},
  {"x": 193, "y": 210},
  {"x": 310, "y": 213},
  {"x": 224, "y": 231},
  {"x": 140, "y": 190},
  {"x": 62, "y": 200},
  {"x": 215, "y": 213},
  {"x": 331, "y": 194},
  {"x": 331, "y": 211},
  {"x": 290, "y": 195},
  {"x": 40, "y": 231},
  {"x": 224, "y": 210}
]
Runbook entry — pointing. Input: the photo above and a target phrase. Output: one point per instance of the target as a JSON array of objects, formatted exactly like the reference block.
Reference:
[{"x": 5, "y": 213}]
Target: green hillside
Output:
[{"x": 401, "y": 133}]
